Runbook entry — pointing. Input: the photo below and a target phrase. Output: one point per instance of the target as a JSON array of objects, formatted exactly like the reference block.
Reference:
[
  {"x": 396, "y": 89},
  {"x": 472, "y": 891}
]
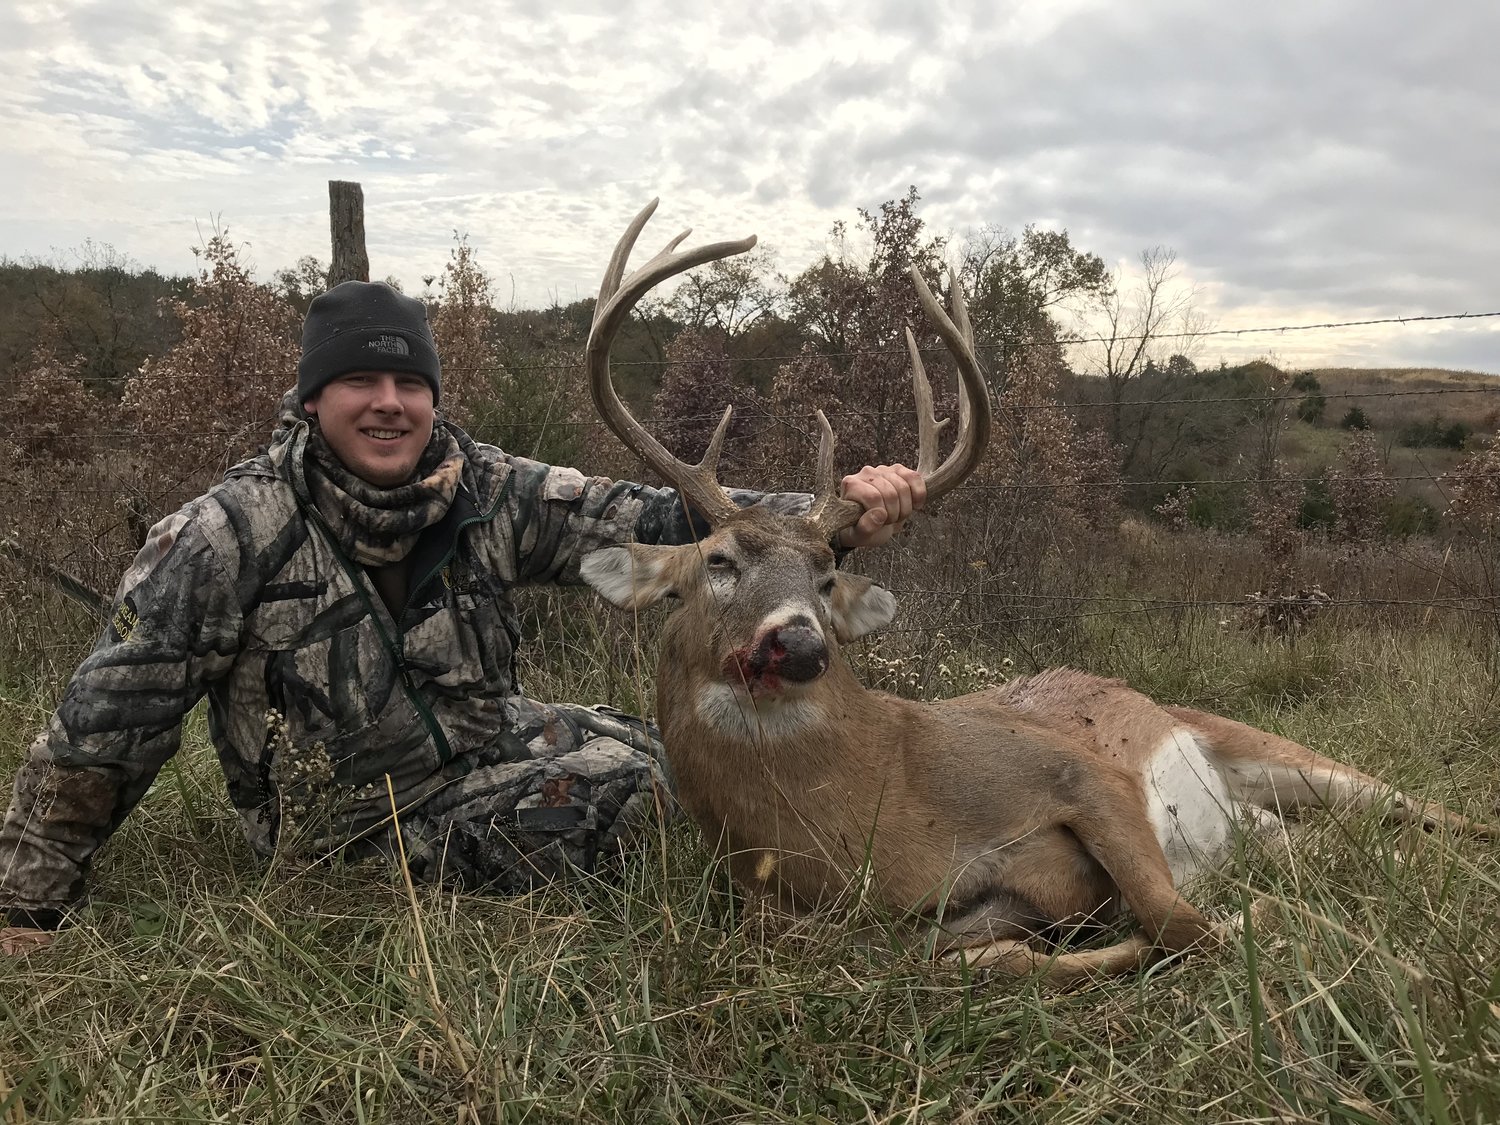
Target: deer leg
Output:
[
  {"x": 1281, "y": 775},
  {"x": 1110, "y": 820},
  {"x": 1017, "y": 959}
]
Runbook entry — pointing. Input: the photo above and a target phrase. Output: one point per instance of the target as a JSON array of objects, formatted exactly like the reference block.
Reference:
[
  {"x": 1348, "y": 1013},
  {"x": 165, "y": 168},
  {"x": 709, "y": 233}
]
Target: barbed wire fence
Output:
[{"x": 1021, "y": 608}]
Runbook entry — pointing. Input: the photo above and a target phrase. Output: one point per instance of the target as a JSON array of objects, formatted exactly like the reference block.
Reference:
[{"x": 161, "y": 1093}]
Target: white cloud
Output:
[{"x": 1308, "y": 163}]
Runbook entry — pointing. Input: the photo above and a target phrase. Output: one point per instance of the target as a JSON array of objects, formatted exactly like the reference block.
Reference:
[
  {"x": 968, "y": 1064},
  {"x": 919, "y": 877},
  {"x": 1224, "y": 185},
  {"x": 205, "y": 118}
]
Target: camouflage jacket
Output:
[{"x": 242, "y": 597}]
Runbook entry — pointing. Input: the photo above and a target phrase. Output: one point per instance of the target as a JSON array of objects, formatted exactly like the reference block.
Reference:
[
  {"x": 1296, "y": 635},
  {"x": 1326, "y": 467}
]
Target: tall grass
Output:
[{"x": 200, "y": 985}]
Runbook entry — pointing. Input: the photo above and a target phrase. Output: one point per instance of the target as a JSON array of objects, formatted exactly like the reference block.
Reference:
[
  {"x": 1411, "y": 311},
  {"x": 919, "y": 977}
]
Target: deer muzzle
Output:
[{"x": 793, "y": 653}]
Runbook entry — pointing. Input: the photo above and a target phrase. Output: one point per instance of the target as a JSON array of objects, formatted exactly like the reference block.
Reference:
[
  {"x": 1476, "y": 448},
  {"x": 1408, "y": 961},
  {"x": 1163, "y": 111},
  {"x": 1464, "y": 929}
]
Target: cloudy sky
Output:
[{"x": 1308, "y": 161}]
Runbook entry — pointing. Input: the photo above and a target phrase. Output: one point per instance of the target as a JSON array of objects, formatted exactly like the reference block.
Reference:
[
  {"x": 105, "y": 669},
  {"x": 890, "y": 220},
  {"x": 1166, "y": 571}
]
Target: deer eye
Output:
[{"x": 720, "y": 562}]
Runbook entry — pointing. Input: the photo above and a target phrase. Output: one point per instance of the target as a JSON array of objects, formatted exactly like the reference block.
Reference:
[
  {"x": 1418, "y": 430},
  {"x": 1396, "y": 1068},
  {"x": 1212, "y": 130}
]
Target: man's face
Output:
[{"x": 376, "y": 422}]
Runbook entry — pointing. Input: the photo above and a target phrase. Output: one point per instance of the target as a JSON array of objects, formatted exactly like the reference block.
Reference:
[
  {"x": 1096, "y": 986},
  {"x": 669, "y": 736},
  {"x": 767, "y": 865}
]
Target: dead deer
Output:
[{"x": 1050, "y": 802}]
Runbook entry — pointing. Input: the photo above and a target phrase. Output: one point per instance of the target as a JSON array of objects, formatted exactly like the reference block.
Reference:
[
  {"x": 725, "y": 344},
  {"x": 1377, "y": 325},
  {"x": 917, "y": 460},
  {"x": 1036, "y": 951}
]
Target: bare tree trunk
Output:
[{"x": 346, "y": 221}]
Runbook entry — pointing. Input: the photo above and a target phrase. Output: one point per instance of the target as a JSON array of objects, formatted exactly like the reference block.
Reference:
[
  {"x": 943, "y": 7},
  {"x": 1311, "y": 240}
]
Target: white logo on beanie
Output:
[{"x": 388, "y": 345}]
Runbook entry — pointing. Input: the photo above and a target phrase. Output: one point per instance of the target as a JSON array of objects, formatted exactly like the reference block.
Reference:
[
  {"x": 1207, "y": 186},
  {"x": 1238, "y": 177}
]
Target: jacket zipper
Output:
[{"x": 397, "y": 647}]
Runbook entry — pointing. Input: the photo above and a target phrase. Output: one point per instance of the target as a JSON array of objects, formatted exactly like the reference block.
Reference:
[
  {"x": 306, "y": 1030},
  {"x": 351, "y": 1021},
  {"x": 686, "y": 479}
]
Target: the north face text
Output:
[{"x": 388, "y": 345}]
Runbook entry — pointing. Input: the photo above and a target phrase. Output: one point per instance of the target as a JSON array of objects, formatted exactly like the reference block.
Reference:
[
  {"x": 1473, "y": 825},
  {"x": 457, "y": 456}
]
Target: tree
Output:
[
  {"x": 1135, "y": 324},
  {"x": 1018, "y": 283},
  {"x": 297, "y": 285},
  {"x": 463, "y": 328},
  {"x": 802, "y": 386},
  {"x": 100, "y": 309},
  {"x": 727, "y": 296},
  {"x": 1312, "y": 404},
  {"x": 695, "y": 389},
  {"x": 212, "y": 398},
  {"x": 1434, "y": 433},
  {"x": 854, "y": 307},
  {"x": 51, "y": 411},
  {"x": 1048, "y": 467}
]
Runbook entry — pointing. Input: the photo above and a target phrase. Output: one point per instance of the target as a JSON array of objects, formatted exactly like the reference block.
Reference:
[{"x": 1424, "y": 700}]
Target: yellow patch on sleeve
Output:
[{"x": 125, "y": 620}]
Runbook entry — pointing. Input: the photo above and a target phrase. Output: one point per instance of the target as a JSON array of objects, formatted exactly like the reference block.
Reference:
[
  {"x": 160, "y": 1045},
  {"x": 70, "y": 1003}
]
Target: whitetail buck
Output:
[{"x": 1052, "y": 801}]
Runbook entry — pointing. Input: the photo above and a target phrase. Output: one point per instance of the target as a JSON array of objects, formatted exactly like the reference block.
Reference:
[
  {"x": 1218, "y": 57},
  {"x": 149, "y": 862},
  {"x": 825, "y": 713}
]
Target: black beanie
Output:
[{"x": 365, "y": 326}]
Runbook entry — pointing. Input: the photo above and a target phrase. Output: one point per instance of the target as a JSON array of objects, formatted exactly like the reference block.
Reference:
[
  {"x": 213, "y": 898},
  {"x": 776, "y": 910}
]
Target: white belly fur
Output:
[{"x": 1191, "y": 808}]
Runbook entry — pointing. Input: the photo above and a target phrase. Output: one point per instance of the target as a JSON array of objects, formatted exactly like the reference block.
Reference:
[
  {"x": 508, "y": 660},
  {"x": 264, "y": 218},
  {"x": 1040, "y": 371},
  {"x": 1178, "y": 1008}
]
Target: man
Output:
[{"x": 344, "y": 601}]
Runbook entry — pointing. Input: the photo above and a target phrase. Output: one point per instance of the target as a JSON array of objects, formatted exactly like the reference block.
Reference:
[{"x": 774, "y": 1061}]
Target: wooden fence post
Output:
[{"x": 346, "y": 221}]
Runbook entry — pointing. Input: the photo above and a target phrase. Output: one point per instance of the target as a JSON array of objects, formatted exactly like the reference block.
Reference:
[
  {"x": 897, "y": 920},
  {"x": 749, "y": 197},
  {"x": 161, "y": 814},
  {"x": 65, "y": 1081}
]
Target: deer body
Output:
[{"x": 1056, "y": 800}]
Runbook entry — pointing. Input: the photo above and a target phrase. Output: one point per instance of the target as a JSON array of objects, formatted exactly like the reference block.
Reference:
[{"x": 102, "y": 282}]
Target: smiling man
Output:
[{"x": 344, "y": 601}]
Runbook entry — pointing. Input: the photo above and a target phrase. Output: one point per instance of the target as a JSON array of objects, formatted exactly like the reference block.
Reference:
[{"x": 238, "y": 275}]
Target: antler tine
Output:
[
  {"x": 616, "y": 268},
  {"x": 928, "y": 425},
  {"x": 710, "y": 462},
  {"x": 973, "y": 396},
  {"x": 618, "y": 294},
  {"x": 830, "y": 512}
]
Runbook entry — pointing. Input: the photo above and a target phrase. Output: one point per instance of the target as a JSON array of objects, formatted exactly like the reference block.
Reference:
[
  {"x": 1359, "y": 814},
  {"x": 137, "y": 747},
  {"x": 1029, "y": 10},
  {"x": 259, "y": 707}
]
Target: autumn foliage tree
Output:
[
  {"x": 50, "y": 476},
  {"x": 854, "y": 306},
  {"x": 1048, "y": 465},
  {"x": 511, "y": 378},
  {"x": 51, "y": 412},
  {"x": 695, "y": 388},
  {"x": 211, "y": 399},
  {"x": 783, "y": 454},
  {"x": 463, "y": 328}
]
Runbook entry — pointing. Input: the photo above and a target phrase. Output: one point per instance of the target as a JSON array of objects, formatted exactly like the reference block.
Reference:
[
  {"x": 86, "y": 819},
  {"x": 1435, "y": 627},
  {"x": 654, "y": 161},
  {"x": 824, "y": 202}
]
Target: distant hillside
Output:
[
  {"x": 1220, "y": 429},
  {"x": 1469, "y": 397}
]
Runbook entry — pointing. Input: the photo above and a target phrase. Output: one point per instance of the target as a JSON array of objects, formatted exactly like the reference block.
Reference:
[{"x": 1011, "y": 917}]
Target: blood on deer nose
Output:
[{"x": 793, "y": 652}]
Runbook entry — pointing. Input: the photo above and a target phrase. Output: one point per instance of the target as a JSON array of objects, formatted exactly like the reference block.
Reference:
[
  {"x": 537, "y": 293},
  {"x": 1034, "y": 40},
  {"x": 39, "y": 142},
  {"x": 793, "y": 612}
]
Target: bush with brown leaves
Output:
[
  {"x": 463, "y": 328},
  {"x": 1474, "y": 489},
  {"x": 1275, "y": 510},
  {"x": 53, "y": 417},
  {"x": 1059, "y": 470},
  {"x": 1359, "y": 491},
  {"x": 695, "y": 388},
  {"x": 211, "y": 399}
]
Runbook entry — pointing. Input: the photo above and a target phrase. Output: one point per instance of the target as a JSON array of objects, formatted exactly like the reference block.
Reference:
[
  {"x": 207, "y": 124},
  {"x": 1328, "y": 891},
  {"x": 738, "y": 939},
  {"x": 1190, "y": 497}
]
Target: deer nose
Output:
[{"x": 793, "y": 652}]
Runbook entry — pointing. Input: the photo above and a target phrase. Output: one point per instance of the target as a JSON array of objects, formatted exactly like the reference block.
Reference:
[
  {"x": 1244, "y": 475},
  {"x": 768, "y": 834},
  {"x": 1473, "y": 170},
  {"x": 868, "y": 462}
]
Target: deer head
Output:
[{"x": 760, "y": 602}]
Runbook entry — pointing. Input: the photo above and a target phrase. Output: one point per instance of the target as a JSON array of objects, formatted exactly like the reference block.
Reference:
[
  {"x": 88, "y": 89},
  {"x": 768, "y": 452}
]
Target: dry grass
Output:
[{"x": 198, "y": 985}]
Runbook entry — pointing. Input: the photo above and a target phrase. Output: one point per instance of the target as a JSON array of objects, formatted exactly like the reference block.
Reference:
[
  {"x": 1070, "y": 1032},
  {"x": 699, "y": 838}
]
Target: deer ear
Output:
[
  {"x": 860, "y": 606},
  {"x": 631, "y": 577}
]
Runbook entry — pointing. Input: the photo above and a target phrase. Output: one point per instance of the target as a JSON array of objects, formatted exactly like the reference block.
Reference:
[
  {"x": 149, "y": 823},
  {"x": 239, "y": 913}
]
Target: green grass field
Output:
[{"x": 199, "y": 985}]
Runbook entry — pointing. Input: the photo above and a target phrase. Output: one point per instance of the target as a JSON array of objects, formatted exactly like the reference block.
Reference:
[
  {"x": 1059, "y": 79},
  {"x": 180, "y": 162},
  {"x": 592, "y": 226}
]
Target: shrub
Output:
[
  {"x": 1434, "y": 433},
  {"x": 463, "y": 330},
  {"x": 1360, "y": 491},
  {"x": 1310, "y": 409},
  {"x": 211, "y": 399},
  {"x": 1406, "y": 516},
  {"x": 1474, "y": 489}
]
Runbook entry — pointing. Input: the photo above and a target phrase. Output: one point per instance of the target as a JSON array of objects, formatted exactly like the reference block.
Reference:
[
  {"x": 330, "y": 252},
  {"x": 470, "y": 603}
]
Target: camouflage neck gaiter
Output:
[{"x": 378, "y": 526}]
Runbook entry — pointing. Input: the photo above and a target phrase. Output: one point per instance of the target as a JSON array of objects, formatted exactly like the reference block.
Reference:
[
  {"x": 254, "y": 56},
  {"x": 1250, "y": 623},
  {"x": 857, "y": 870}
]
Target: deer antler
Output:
[
  {"x": 617, "y": 296},
  {"x": 831, "y": 512}
]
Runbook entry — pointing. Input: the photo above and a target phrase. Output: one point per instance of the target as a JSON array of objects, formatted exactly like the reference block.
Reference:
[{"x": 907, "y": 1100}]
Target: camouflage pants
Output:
[{"x": 573, "y": 788}]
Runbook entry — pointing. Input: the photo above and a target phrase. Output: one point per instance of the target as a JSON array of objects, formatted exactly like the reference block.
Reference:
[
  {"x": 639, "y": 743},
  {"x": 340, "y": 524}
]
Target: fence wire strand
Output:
[{"x": 1106, "y": 605}]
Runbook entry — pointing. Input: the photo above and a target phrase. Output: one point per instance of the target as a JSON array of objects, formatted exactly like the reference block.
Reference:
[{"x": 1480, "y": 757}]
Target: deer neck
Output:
[
  {"x": 799, "y": 732},
  {"x": 791, "y": 785}
]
